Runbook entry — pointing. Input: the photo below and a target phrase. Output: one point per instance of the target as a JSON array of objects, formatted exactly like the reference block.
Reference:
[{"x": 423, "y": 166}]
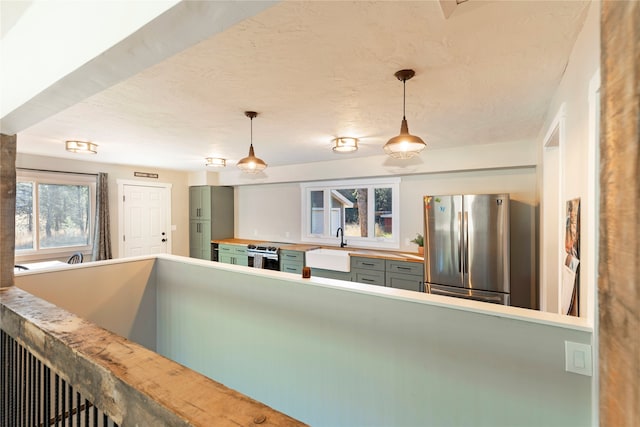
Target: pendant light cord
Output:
[
  {"x": 404, "y": 97},
  {"x": 251, "y": 143}
]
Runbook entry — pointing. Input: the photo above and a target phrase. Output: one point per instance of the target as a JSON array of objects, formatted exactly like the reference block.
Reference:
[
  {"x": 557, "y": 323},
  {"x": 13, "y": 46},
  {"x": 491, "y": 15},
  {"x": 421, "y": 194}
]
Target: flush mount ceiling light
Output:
[
  {"x": 405, "y": 145},
  {"x": 251, "y": 164},
  {"x": 216, "y": 162},
  {"x": 345, "y": 145},
  {"x": 81, "y": 147}
]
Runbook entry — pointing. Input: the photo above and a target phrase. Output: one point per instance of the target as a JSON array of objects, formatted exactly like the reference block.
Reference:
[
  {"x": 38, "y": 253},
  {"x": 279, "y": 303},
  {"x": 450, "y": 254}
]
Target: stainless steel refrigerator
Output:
[{"x": 466, "y": 243}]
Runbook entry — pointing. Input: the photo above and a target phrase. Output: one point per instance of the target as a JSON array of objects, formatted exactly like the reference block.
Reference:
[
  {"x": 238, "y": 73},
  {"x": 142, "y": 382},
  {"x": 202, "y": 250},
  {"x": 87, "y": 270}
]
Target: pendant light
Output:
[
  {"x": 251, "y": 164},
  {"x": 405, "y": 145}
]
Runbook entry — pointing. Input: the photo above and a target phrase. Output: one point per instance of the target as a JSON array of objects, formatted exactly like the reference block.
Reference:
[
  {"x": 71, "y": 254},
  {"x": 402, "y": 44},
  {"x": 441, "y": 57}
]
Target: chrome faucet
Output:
[{"x": 340, "y": 233}]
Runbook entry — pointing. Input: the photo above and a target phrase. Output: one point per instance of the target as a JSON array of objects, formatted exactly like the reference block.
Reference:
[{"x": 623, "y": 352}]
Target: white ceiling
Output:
[{"x": 318, "y": 70}]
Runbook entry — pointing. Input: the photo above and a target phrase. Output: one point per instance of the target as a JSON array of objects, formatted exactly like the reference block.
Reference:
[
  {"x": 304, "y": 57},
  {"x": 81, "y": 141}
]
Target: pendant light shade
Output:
[
  {"x": 405, "y": 145},
  {"x": 251, "y": 164}
]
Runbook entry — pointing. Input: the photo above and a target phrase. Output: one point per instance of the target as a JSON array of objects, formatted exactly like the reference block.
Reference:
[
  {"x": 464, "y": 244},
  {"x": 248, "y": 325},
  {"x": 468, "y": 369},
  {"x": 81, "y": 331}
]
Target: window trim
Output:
[
  {"x": 62, "y": 178},
  {"x": 364, "y": 242}
]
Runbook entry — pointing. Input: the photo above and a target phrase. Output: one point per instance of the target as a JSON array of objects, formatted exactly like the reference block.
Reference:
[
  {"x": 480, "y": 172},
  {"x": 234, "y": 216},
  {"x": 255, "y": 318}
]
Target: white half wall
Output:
[
  {"x": 117, "y": 295},
  {"x": 333, "y": 353}
]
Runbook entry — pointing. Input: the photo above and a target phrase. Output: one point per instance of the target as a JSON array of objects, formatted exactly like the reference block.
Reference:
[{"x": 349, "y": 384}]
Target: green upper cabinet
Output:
[
  {"x": 200, "y": 202},
  {"x": 210, "y": 217}
]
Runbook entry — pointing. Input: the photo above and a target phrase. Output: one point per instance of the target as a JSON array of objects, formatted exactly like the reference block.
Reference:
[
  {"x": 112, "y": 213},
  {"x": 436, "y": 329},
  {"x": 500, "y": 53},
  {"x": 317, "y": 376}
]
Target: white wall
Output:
[
  {"x": 270, "y": 211},
  {"x": 573, "y": 90},
  {"x": 179, "y": 192}
]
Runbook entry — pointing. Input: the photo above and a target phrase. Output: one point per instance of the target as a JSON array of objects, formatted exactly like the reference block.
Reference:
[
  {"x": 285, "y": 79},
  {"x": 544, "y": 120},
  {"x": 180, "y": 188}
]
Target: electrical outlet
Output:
[
  {"x": 287, "y": 234},
  {"x": 578, "y": 358},
  {"x": 255, "y": 232}
]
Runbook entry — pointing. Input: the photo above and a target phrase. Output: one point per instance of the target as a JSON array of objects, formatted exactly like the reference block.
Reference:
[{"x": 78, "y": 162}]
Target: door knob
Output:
[{"x": 164, "y": 240}]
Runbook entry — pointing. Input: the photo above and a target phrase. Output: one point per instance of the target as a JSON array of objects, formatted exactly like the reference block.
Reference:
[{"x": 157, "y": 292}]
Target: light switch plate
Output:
[{"x": 578, "y": 358}]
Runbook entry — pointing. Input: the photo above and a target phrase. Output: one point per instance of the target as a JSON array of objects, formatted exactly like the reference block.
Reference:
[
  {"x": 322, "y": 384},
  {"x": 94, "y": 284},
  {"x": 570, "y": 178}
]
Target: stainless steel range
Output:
[{"x": 266, "y": 254}]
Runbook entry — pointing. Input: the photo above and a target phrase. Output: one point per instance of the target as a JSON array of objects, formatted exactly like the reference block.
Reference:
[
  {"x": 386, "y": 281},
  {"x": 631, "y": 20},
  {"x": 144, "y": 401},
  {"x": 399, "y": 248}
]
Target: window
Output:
[
  {"x": 366, "y": 210},
  {"x": 54, "y": 213}
]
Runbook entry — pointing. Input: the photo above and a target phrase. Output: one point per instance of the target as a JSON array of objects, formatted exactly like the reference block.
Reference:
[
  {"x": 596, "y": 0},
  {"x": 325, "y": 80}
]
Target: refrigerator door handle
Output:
[
  {"x": 460, "y": 242},
  {"x": 466, "y": 242},
  {"x": 465, "y": 295}
]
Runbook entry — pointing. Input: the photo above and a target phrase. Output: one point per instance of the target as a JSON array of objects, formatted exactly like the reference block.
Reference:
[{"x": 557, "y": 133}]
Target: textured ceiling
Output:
[{"x": 318, "y": 70}]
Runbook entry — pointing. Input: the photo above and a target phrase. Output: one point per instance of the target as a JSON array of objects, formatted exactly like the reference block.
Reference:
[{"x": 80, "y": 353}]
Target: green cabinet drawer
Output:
[
  {"x": 405, "y": 267},
  {"x": 297, "y": 256},
  {"x": 369, "y": 277},
  {"x": 291, "y": 267},
  {"x": 410, "y": 282},
  {"x": 225, "y": 248},
  {"x": 376, "y": 264}
]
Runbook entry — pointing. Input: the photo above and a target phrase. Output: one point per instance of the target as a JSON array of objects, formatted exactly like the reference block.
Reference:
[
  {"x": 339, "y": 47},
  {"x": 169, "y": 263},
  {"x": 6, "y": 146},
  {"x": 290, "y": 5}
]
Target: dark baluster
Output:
[
  {"x": 95, "y": 416},
  {"x": 3, "y": 375},
  {"x": 39, "y": 388},
  {"x": 78, "y": 411},
  {"x": 105, "y": 420},
  {"x": 56, "y": 392},
  {"x": 22, "y": 388},
  {"x": 70, "y": 405},
  {"x": 4, "y": 363},
  {"x": 86, "y": 413},
  {"x": 63, "y": 400},
  {"x": 47, "y": 396},
  {"x": 31, "y": 393}
]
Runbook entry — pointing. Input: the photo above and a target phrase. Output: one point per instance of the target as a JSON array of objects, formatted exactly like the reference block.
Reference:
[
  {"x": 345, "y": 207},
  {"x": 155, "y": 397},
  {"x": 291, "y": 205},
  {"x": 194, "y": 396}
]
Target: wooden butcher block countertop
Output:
[{"x": 369, "y": 253}]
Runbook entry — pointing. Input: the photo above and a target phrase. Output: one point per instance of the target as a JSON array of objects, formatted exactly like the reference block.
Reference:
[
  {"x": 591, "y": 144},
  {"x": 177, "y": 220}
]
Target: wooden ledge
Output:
[{"x": 133, "y": 385}]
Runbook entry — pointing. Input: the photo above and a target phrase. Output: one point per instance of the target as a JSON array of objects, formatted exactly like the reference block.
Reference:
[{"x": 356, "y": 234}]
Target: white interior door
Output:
[{"x": 145, "y": 220}]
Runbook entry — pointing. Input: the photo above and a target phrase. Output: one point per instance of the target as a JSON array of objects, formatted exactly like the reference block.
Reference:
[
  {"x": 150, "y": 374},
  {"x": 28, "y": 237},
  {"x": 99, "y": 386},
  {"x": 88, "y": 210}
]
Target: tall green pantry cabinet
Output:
[{"x": 210, "y": 217}]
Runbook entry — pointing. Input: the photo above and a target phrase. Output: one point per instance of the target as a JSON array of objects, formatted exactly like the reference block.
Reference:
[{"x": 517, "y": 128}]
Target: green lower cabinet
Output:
[
  {"x": 291, "y": 261},
  {"x": 370, "y": 271},
  {"x": 405, "y": 275},
  {"x": 405, "y": 281},
  {"x": 233, "y": 254}
]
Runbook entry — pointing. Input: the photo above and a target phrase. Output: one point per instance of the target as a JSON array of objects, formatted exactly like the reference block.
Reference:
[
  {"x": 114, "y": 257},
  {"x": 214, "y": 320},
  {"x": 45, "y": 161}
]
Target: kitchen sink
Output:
[{"x": 329, "y": 259}]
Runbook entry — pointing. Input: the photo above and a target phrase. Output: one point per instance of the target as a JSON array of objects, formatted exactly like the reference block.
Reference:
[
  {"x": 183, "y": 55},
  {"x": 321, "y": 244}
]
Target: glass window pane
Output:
[
  {"x": 24, "y": 215},
  {"x": 317, "y": 212},
  {"x": 384, "y": 213},
  {"x": 353, "y": 202},
  {"x": 64, "y": 215}
]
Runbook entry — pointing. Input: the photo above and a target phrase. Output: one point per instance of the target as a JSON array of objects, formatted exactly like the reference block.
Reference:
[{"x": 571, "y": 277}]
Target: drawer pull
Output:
[
  {"x": 291, "y": 256},
  {"x": 368, "y": 264},
  {"x": 368, "y": 280},
  {"x": 404, "y": 268}
]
